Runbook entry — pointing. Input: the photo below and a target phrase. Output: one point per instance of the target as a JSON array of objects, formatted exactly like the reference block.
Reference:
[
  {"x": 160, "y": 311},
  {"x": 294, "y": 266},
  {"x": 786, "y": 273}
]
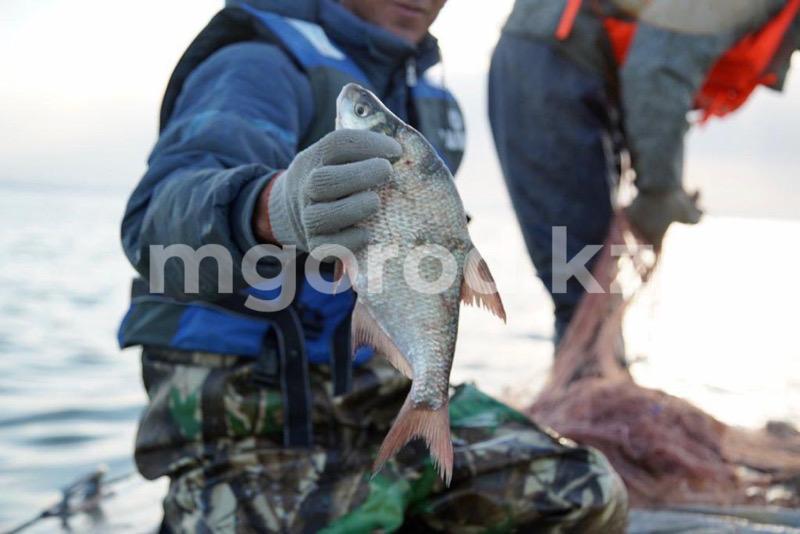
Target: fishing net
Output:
[{"x": 667, "y": 450}]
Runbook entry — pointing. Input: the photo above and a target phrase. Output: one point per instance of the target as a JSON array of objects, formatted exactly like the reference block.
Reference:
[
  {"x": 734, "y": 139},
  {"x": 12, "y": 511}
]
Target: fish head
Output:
[{"x": 359, "y": 109}]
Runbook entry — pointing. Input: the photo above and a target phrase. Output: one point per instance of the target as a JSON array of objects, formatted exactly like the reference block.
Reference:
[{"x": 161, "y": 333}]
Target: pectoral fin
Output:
[
  {"x": 338, "y": 275},
  {"x": 341, "y": 270},
  {"x": 478, "y": 287},
  {"x": 367, "y": 331}
]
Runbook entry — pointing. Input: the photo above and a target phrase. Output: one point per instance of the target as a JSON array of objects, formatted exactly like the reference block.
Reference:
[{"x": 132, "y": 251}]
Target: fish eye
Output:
[{"x": 361, "y": 110}]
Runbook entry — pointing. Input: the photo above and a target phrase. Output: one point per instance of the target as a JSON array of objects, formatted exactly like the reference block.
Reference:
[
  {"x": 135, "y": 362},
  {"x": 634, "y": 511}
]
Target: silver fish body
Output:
[{"x": 419, "y": 265}]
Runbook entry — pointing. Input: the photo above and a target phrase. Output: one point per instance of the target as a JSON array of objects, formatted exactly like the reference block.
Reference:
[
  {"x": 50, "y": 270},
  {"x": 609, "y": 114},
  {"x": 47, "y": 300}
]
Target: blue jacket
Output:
[{"x": 239, "y": 117}]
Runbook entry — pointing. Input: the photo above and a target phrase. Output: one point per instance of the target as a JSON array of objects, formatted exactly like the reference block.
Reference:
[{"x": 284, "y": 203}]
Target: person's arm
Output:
[
  {"x": 662, "y": 74},
  {"x": 668, "y": 62},
  {"x": 236, "y": 122},
  {"x": 217, "y": 177}
]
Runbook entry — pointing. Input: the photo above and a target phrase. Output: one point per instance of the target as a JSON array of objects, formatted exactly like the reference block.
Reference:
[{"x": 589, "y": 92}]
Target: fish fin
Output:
[
  {"x": 367, "y": 331},
  {"x": 340, "y": 270},
  {"x": 478, "y": 287},
  {"x": 431, "y": 425},
  {"x": 338, "y": 275}
]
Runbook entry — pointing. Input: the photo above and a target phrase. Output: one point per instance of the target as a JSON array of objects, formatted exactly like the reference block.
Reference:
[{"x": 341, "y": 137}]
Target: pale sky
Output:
[{"x": 82, "y": 82}]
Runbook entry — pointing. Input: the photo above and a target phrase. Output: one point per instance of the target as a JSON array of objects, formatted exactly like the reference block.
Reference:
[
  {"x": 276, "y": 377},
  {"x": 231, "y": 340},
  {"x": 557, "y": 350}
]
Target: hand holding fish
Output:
[{"x": 327, "y": 189}]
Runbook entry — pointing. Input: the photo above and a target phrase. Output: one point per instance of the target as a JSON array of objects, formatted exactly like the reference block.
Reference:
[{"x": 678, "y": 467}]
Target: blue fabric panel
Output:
[
  {"x": 363, "y": 355},
  {"x": 424, "y": 89},
  {"x": 149, "y": 323},
  {"x": 230, "y": 334},
  {"x": 123, "y": 326},
  {"x": 304, "y": 51},
  {"x": 321, "y": 316}
]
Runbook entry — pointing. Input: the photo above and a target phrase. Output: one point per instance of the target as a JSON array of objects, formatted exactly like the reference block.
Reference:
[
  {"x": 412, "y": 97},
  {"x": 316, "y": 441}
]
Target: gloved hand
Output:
[
  {"x": 652, "y": 213},
  {"x": 327, "y": 189}
]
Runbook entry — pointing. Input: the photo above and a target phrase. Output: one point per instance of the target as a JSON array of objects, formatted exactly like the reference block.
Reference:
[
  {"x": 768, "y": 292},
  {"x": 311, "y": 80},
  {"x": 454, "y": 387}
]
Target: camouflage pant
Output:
[{"x": 218, "y": 436}]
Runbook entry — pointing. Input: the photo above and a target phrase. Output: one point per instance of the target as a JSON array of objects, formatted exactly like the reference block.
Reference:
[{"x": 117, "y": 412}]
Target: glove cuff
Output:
[{"x": 282, "y": 223}]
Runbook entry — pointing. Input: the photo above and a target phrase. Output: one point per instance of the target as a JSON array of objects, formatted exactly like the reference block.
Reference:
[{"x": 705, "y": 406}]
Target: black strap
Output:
[
  {"x": 295, "y": 384},
  {"x": 229, "y": 26},
  {"x": 292, "y": 366},
  {"x": 341, "y": 360},
  {"x": 291, "y": 362}
]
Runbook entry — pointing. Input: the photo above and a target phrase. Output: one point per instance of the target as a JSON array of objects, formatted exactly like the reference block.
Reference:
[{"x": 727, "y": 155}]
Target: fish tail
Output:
[{"x": 431, "y": 425}]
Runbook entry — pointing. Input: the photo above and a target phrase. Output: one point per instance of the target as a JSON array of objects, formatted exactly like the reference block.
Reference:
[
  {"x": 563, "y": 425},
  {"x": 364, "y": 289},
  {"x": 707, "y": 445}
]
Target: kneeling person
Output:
[{"x": 259, "y": 419}]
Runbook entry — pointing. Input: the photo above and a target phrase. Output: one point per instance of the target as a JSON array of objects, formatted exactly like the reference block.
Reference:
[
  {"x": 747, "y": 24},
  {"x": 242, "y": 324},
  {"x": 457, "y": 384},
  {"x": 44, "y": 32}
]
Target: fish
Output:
[{"x": 411, "y": 321}]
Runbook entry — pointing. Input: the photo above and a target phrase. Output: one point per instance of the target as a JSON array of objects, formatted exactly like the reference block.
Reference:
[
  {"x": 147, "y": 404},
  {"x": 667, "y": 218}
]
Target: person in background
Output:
[
  {"x": 576, "y": 86},
  {"x": 260, "y": 419}
]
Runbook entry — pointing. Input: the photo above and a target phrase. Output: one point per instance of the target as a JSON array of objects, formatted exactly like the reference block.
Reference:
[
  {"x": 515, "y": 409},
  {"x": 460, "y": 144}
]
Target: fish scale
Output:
[{"x": 415, "y": 329}]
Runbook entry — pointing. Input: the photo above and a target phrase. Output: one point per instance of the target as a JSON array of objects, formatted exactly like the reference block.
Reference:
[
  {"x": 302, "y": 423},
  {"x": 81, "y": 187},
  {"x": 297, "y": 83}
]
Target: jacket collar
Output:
[{"x": 371, "y": 46}]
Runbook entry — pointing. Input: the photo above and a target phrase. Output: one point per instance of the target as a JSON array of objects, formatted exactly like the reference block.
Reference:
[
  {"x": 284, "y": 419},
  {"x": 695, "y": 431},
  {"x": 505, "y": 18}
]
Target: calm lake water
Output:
[
  {"x": 69, "y": 398},
  {"x": 717, "y": 326}
]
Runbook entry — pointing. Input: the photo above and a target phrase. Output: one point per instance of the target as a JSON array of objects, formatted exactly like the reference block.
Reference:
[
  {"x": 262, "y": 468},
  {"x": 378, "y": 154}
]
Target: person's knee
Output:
[{"x": 606, "y": 509}]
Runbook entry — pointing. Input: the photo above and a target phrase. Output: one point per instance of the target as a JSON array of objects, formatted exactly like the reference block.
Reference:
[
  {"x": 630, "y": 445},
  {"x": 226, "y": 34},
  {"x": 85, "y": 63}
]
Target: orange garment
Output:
[{"x": 736, "y": 74}]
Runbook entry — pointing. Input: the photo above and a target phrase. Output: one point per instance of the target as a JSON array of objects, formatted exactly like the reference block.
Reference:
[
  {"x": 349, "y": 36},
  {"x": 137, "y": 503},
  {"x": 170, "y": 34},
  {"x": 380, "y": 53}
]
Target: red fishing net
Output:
[{"x": 667, "y": 450}]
